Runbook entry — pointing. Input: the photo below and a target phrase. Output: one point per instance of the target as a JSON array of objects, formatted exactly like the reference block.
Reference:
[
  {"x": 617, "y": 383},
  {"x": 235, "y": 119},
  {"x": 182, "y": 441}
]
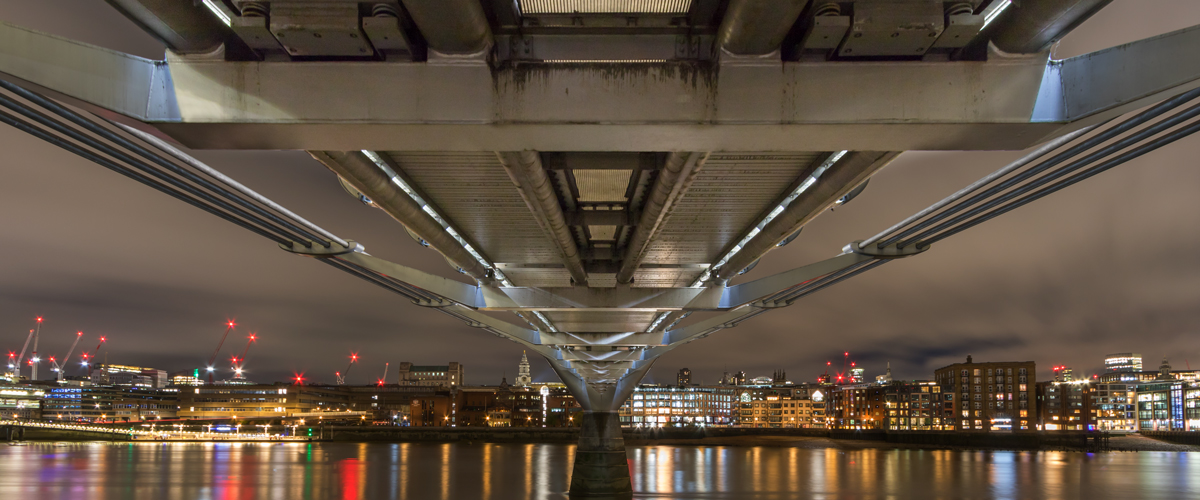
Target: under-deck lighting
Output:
[
  {"x": 808, "y": 183},
  {"x": 218, "y": 11},
  {"x": 412, "y": 193},
  {"x": 996, "y": 10}
]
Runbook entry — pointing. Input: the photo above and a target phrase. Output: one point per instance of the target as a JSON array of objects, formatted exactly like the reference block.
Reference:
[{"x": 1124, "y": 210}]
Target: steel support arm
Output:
[
  {"x": 526, "y": 171},
  {"x": 358, "y": 170},
  {"x": 670, "y": 186},
  {"x": 747, "y": 293}
]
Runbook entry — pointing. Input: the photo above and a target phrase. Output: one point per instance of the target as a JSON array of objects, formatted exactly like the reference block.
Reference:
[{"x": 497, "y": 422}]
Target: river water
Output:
[{"x": 419, "y": 471}]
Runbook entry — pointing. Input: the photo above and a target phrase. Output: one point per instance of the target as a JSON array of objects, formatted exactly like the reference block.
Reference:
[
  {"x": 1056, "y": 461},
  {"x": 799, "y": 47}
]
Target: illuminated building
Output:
[
  {"x": 1065, "y": 405},
  {"x": 684, "y": 377},
  {"x": 662, "y": 406},
  {"x": 857, "y": 406},
  {"x": 1169, "y": 405},
  {"x": 1163, "y": 373},
  {"x": 990, "y": 396},
  {"x": 1063, "y": 374},
  {"x": 134, "y": 376},
  {"x": 917, "y": 406},
  {"x": 23, "y": 402},
  {"x": 187, "y": 378},
  {"x": 259, "y": 401},
  {"x": 783, "y": 410},
  {"x": 857, "y": 374},
  {"x": 447, "y": 376},
  {"x": 107, "y": 404},
  {"x": 1114, "y": 407},
  {"x": 1123, "y": 362}
]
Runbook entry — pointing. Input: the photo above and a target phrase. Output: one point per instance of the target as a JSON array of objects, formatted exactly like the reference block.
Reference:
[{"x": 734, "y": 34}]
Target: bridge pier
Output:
[{"x": 601, "y": 467}]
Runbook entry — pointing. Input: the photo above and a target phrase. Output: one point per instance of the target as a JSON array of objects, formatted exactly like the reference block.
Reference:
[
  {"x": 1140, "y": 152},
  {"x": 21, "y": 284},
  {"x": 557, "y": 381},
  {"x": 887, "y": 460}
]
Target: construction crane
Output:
[
  {"x": 32, "y": 335},
  {"x": 341, "y": 376},
  {"x": 383, "y": 380},
  {"x": 87, "y": 357},
  {"x": 60, "y": 370},
  {"x": 228, "y": 328},
  {"x": 239, "y": 363}
]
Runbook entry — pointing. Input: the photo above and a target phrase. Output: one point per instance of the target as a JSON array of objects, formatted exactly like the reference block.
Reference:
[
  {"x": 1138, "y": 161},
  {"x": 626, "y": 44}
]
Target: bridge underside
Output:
[{"x": 599, "y": 174}]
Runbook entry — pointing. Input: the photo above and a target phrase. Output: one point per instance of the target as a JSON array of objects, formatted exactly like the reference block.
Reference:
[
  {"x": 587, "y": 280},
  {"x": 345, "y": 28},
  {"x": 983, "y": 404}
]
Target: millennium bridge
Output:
[{"x": 599, "y": 170}]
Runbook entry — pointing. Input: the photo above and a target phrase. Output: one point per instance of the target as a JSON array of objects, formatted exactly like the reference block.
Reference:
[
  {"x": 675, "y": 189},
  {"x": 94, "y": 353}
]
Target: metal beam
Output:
[
  {"x": 209, "y": 104},
  {"x": 1093, "y": 87},
  {"x": 846, "y": 174},
  {"x": 762, "y": 288},
  {"x": 671, "y": 185},
  {"x": 525, "y": 170},
  {"x": 358, "y": 170}
]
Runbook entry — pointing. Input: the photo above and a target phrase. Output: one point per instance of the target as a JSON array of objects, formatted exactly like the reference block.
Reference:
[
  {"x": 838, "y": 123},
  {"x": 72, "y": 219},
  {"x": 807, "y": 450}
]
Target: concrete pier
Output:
[{"x": 601, "y": 467}]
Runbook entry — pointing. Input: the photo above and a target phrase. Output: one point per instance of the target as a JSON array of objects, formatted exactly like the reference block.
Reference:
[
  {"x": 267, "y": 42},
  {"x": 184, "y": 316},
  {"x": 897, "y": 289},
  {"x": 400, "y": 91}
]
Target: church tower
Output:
[{"x": 523, "y": 378}]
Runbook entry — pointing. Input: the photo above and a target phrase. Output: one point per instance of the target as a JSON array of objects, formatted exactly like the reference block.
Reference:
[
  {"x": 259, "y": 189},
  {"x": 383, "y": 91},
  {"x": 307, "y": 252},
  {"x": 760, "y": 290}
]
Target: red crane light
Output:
[{"x": 39, "y": 319}]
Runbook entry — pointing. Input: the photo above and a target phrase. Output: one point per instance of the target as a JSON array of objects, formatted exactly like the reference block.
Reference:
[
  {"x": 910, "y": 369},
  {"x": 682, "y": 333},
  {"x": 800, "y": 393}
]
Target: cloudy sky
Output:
[{"x": 1110, "y": 265}]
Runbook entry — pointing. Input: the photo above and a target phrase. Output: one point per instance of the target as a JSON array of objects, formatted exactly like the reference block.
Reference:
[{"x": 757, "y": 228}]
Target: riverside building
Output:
[
  {"x": 990, "y": 396},
  {"x": 445, "y": 376},
  {"x": 663, "y": 406}
]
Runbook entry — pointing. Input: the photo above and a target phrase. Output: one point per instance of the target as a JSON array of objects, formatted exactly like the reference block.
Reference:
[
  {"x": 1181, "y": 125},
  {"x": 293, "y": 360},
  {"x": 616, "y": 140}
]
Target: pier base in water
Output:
[{"x": 601, "y": 467}]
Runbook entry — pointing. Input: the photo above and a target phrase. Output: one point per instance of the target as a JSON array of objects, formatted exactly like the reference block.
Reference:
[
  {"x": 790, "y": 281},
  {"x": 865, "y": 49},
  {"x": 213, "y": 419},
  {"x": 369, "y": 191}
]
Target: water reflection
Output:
[{"x": 402, "y": 471}]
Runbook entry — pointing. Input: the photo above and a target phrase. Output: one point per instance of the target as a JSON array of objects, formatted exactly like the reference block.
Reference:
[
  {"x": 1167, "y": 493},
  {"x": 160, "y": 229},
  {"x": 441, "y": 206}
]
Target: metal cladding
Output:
[
  {"x": 358, "y": 170},
  {"x": 844, "y": 175},
  {"x": 525, "y": 169},
  {"x": 1030, "y": 27},
  {"x": 670, "y": 186},
  {"x": 455, "y": 27},
  {"x": 183, "y": 26},
  {"x": 757, "y": 27}
]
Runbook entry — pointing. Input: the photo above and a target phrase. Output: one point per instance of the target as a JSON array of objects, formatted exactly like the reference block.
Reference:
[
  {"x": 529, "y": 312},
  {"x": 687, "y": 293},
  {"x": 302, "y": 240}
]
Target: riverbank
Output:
[
  {"x": 737, "y": 437},
  {"x": 1130, "y": 443}
]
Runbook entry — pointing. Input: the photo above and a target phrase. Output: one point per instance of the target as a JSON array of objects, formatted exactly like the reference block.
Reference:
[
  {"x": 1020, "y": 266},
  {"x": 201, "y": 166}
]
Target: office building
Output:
[
  {"x": 663, "y": 406},
  {"x": 260, "y": 401},
  {"x": 1114, "y": 407},
  {"x": 445, "y": 376},
  {"x": 22, "y": 402},
  {"x": 1123, "y": 362},
  {"x": 130, "y": 376}
]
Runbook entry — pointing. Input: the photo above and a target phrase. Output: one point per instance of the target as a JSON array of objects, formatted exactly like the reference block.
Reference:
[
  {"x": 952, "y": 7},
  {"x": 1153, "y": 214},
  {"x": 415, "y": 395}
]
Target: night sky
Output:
[{"x": 1109, "y": 265}]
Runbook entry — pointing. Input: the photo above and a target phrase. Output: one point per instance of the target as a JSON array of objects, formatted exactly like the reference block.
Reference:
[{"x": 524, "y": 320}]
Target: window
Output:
[
  {"x": 976, "y": 372},
  {"x": 1021, "y": 371}
]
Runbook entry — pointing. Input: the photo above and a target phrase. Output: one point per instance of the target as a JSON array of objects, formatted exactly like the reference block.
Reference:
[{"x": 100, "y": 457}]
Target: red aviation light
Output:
[
  {"x": 231, "y": 324},
  {"x": 79, "y": 334},
  {"x": 39, "y": 320},
  {"x": 353, "y": 357},
  {"x": 852, "y": 363}
]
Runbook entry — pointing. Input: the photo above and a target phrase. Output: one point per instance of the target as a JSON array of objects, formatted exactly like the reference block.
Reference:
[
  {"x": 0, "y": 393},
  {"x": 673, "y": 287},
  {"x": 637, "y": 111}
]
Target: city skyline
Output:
[{"x": 1072, "y": 277}]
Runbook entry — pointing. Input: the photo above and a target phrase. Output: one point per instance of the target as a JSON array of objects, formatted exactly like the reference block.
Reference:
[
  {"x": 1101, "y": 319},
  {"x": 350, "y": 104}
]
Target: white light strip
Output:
[
  {"x": 661, "y": 316},
  {"x": 398, "y": 181},
  {"x": 996, "y": 10},
  {"x": 544, "y": 320},
  {"x": 812, "y": 179},
  {"x": 218, "y": 11}
]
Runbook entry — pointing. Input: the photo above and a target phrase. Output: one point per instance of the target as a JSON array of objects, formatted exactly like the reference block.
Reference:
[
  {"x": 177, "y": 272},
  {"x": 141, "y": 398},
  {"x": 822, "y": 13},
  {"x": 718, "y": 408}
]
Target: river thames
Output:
[{"x": 243, "y": 471}]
